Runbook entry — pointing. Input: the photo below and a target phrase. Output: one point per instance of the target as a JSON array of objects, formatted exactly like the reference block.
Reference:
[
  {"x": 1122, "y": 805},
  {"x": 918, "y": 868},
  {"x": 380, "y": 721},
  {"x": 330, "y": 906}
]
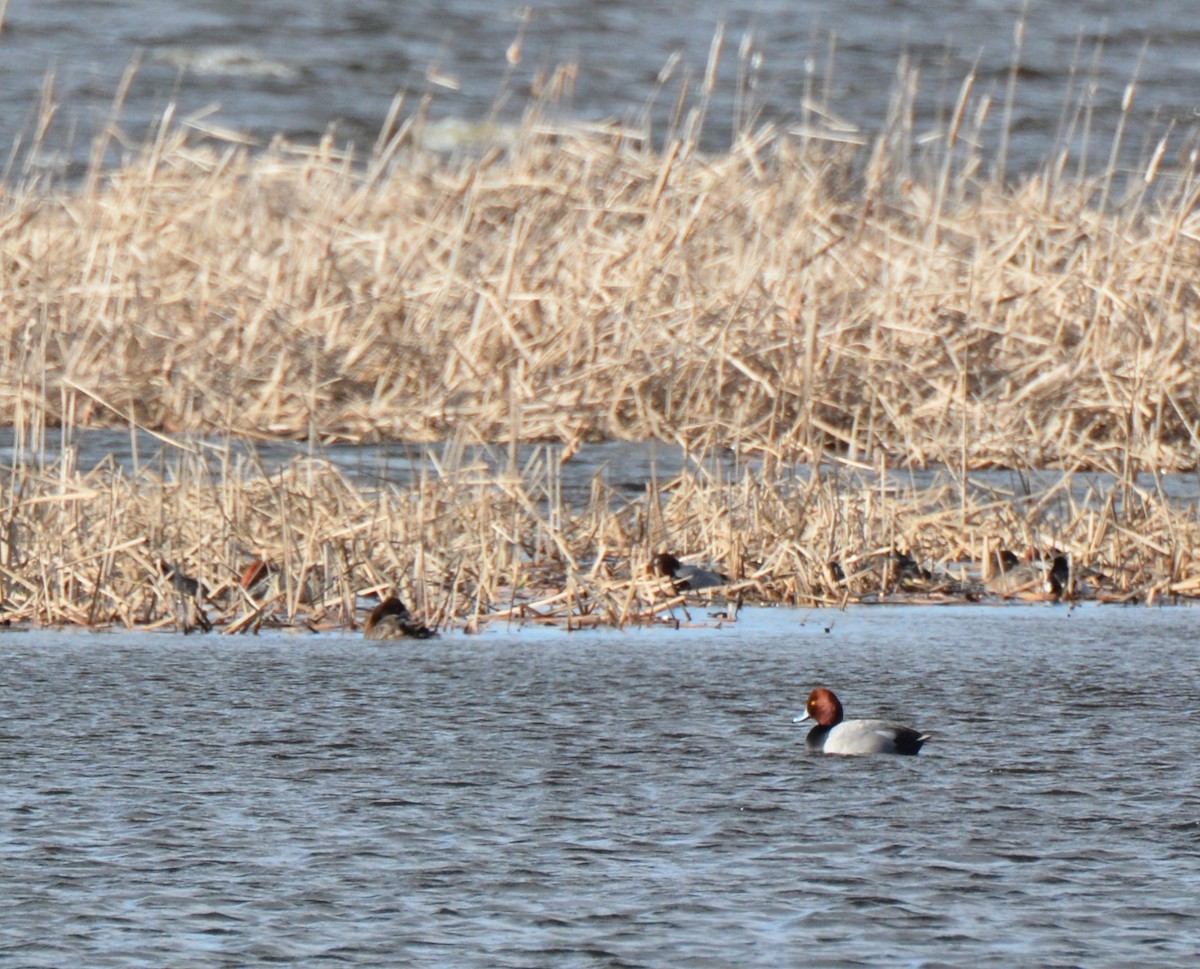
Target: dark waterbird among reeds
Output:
[
  {"x": 1035, "y": 578},
  {"x": 392, "y": 620},
  {"x": 685, "y": 578}
]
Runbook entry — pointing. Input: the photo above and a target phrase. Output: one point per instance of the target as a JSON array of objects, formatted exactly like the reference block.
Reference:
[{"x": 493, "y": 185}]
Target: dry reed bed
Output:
[
  {"x": 788, "y": 298},
  {"x": 466, "y": 548}
]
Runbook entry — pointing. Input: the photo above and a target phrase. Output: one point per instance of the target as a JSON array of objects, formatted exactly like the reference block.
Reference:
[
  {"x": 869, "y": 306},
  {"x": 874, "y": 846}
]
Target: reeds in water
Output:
[
  {"x": 199, "y": 542},
  {"x": 812, "y": 296},
  {"x": 793, "y": 296}
]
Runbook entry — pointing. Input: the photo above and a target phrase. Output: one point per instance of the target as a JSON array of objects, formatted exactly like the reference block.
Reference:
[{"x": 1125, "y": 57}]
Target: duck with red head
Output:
[
  {"x": 392, "y": 620},
  {"x": 261, "y": 580},
  {"x": 835, "y": 735},
  {"x": 255, "y": 577},
  {"x": 685, "y": 578}
]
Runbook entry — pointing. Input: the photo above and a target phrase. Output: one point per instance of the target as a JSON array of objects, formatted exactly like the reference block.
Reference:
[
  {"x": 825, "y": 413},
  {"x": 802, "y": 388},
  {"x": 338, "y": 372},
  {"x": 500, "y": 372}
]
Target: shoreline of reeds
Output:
[
  {"x": 197, "y": 543},
  {"x": 810, "y": 297}
]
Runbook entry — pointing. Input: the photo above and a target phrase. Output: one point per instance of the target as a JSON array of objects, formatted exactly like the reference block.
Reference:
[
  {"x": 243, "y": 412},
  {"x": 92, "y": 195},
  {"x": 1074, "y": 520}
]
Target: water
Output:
[
  {"x": 529, "y": 798},
  {"x": 300, "y": 67},
  {"x": 624, "y": 468}
]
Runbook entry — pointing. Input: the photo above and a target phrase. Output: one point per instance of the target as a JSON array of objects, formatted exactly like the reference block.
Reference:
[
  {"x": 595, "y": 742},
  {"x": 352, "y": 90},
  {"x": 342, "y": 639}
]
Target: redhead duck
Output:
[
  {"x": 262, "y": 580},
  {"x": 392, "y": 620},
  {"x": 685, "y": 577},
  {"x": 255, "y": 577},
  {"x": 833, "y": 735}
]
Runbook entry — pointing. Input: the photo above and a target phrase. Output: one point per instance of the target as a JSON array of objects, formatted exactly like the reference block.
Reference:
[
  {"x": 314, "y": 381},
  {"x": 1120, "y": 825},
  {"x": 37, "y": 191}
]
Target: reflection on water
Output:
[{"x": 537, "y": 798}]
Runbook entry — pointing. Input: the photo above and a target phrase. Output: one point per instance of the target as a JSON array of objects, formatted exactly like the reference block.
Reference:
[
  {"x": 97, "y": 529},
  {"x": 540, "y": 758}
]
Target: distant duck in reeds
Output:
[
  {"x": 1004, "y": 560},
  {"x": 905, "y": 569},
  {"x": 1012, "y": 575},
  {"x": 685, "y": 578},
  {"x": 392, "y": 620},
  {"x": 183, "y": 583},
  {"x": 262, "y": 581},
  {"x": 255, "y": 572},
  {"x": 1031, "y": 578},
  {"x": 1058, "y": 577},
  {"x": 255, "y": 578},
  {"x": 189, "y": 608}
]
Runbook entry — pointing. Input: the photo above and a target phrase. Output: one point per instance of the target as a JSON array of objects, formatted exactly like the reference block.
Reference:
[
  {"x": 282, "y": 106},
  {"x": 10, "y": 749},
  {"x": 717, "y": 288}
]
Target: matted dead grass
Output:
[{"x": 792, "y": 297}]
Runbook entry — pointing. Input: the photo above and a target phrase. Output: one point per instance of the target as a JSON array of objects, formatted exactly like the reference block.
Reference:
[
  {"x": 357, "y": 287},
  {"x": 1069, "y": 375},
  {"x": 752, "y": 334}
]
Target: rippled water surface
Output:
[
  {"x": 531, "y": 798},
  {"x": 302, "y": 66}
]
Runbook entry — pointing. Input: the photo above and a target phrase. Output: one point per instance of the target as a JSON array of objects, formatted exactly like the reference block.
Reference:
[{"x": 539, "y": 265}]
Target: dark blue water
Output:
[
  {"x": 302, "y": 67},
  {"x": 531, "y": 798}
]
